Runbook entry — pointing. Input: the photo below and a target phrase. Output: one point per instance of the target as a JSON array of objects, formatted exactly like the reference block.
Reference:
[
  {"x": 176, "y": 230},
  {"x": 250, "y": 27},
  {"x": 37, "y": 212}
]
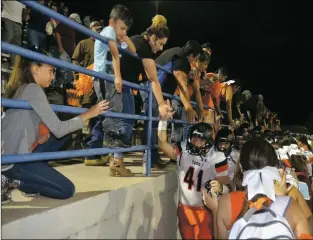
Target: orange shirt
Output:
[{"x": 214, "y": 90}]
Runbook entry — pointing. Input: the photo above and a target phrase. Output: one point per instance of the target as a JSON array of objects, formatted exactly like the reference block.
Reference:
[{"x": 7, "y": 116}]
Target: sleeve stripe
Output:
[
  {"x": 220, "y": 164},
  {"x": 221, "y": 168}
]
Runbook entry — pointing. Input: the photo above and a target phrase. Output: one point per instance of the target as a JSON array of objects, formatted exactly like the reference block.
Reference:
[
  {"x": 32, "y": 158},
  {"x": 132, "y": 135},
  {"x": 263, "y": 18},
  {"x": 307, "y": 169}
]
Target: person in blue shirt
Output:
[{"x": 107, "y": 61}]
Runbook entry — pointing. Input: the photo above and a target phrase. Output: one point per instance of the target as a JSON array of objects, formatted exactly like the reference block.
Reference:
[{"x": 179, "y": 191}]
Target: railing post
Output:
[
  {"x": 214, "y": 116},
  {"x": 149, "y": 131}
]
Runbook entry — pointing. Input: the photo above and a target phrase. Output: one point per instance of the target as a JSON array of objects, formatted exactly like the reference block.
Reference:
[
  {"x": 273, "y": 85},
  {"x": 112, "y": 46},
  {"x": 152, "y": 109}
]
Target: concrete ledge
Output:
[{"x": 143, "y": 209}]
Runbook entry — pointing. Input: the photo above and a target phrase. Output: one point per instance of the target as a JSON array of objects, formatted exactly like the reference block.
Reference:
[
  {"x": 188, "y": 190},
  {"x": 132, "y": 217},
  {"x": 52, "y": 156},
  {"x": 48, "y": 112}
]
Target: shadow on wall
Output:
[
  {"x": 137, "y": 213},
  {"x": 167, "y": 227}
]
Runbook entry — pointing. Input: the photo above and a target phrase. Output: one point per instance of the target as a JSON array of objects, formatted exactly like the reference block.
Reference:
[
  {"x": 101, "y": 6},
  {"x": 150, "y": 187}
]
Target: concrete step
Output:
[{"x": 103, "y": 207}]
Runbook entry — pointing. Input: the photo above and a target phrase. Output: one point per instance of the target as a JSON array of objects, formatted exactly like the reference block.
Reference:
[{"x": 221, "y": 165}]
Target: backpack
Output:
[{"x": 269, "y": 224}]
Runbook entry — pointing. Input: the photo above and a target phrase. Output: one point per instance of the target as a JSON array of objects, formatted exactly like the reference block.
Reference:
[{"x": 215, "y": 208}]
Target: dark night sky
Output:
[{"x": 267, "y": 45}]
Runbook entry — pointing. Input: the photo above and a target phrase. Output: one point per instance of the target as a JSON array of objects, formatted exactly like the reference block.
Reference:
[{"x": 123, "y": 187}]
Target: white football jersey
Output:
[
  {"x": 194, "y": 172},
  {"x": 232, "y": 162}
]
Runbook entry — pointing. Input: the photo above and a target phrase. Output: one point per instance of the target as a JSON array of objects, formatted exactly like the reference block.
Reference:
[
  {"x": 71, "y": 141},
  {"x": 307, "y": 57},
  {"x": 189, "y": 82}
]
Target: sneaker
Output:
[
  {"x": 97, "y": 161},
  {"x": 30, "y": 194},
  {"x": 5, "y": 190}
]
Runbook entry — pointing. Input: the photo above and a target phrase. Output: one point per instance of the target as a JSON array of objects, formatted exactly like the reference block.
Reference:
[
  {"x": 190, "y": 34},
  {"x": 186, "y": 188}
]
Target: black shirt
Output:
[
  {"x": 131, "y": 67},
  {"x": 172, "y": 59},
  {"x": 251, "y": 105},
  {"x": 38, "y": 21},
  {"x": 234, "y": 105}
]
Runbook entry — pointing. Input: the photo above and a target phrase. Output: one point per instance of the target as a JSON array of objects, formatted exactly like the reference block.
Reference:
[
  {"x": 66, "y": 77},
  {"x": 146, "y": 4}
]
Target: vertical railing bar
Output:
[{"x": 148, "y": 161}]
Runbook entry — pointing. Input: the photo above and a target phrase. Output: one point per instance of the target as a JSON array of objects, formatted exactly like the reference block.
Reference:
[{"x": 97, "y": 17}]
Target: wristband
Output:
[
  {"x": 162, "y": 125},
  {"x": 225, "y": 189}
]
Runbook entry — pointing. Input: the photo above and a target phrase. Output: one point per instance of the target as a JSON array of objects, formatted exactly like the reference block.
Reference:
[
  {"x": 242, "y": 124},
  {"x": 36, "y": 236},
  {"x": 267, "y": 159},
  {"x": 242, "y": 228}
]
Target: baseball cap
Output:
[
  {"x": 247, "y": 94},
  {"x": 75, "y": 17},
  {"x": 95, "y": 24}
]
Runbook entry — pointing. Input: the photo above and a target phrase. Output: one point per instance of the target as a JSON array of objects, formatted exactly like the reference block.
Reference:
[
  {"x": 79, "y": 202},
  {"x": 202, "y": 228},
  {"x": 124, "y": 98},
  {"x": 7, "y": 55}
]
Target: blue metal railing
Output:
[
  {"x": 9, "y": 103},
  {"x": 65, "y": 20}
]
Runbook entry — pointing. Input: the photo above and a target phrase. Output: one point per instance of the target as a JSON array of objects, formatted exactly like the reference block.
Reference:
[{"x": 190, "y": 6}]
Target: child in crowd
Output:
[{"x": 107, "y": 61}]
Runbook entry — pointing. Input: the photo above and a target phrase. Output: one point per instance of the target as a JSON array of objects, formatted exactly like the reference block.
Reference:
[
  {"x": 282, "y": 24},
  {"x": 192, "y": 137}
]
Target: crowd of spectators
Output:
[{"x": 226, "y": 136}]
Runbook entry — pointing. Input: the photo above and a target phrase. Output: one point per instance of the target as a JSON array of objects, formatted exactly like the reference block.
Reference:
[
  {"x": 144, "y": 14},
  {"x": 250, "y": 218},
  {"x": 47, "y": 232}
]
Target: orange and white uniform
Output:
[{"x": 194, "y": 220}]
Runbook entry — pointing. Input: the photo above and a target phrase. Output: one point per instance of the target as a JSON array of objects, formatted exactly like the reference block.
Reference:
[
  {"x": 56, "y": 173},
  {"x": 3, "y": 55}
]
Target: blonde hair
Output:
[
  {"x": 159, "y": 21},
  {"x": 158, "y": 27}
]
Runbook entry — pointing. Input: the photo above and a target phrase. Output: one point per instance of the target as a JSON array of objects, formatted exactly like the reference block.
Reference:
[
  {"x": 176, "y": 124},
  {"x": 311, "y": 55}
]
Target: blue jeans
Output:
[
  {"x": 179, "y": 131},
  {"x": 39, "y": 177},
  {"x": 154, "y": 134},
  {"x": 96, "y": 140},
  {"x": 127, "y": 125},
  {"x": 116, "y": 105},
  {"x": 97, "y": 135},
  {"x": 36, "y": 38}
]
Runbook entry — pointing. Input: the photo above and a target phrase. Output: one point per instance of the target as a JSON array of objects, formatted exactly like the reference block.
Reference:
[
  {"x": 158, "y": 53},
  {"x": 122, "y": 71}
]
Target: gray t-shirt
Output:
[
  {"x": 12, "y": 10},
  {"x": 20, "y": 127}
]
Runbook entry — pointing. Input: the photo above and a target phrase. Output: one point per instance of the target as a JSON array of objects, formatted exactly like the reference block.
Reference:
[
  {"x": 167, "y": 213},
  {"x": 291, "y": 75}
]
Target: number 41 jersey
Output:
[{"x": 194, "y": 172}]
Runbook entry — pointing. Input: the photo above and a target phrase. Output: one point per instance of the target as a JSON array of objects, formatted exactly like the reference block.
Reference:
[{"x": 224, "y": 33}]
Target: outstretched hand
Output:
[
  {"x": 166, "y": 111},
  {"x": 280, "y": 187}
]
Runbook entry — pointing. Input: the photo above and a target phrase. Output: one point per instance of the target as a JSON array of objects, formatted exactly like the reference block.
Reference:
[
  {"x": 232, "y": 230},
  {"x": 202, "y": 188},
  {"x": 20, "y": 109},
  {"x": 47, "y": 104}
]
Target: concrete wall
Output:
[{"x": 146, "y": 210}]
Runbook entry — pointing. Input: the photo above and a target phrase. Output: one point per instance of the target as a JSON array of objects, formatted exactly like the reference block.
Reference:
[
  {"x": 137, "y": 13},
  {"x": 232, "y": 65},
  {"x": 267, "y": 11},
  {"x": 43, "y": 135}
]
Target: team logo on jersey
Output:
[{"x": 196, "y": 163}]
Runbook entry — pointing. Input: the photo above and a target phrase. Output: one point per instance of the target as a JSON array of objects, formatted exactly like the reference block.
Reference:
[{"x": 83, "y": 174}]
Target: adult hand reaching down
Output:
[
  {"x": 191, "y": 115},
  {"x": 166, "y": 111},
  {"x": 118, "y": 82}
]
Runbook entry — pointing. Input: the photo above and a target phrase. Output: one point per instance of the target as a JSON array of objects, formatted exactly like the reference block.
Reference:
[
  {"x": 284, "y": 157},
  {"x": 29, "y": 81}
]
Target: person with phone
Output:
[{"x": 260, "y": 186}]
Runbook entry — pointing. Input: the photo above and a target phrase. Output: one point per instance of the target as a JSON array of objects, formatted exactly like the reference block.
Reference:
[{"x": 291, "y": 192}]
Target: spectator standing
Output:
[
  {"x": 84, "y": 56},
  {"x": 50, "y": 31},
  {"x": 147, "y": 45},
  {"x": 65, "y": 37},
  {"x": 107, "y": 61},
  {"x": 65, "y": 11},
  {"x": 36, "y": 31},
  {"x": 12, "y": 23}
]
